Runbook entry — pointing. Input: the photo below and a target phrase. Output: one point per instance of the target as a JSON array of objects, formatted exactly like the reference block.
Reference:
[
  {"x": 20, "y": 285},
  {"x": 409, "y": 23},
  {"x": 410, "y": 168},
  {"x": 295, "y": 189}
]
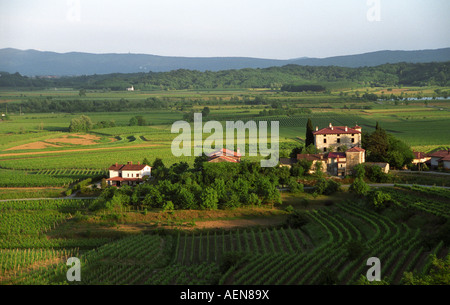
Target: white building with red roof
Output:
[
  {"x": 440, "y": 159},
  {"x": 333, "y": 137},
  {"x": 128, "y": 174}
]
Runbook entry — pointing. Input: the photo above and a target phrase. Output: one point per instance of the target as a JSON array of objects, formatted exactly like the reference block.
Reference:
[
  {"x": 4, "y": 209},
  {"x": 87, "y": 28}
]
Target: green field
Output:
[{"x": 40, "y": 158}]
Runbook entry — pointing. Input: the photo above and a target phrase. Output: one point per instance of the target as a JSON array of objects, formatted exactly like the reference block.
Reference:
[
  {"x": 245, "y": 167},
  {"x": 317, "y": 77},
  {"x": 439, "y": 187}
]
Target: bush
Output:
[
  {"x": 294, "y": 186},
  {"x": 378, "y": 199},
  {"x": 359, "y": 187},
  {"x": 168, "y": 206},
  {"x": 327, "y": 187},
  {"x": 289, "y": 209}
]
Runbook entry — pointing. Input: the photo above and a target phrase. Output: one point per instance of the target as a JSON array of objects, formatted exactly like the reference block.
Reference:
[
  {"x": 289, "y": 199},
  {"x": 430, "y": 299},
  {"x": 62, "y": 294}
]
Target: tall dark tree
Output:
[{"x": 309, "y": 134}]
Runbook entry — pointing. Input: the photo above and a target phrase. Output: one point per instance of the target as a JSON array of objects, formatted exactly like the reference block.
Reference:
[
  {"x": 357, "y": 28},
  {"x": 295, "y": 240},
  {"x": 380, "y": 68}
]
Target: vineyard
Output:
[
  {"x": 40, "y": 178},
  {"x": 311, "y": 254}
]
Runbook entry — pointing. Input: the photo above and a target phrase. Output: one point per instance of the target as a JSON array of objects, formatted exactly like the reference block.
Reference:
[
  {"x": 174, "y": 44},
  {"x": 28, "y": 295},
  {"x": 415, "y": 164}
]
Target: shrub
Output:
[
  {"x": 359, "y": 187},
  {"x": 378, "y": 199},
  {"x": 294, "y": 186}
]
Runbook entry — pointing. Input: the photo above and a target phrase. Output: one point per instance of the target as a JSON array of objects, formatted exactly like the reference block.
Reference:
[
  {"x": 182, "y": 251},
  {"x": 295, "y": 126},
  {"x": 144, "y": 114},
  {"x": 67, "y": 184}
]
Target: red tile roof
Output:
[
  {"x": 224, "y": 158},
  {"x": 335, "y": 155},
  {"x": 336, "y": 130},
  {"x": 115, "y": 167},
  {"x": 133, "y": 167},
  {"x": 445, "y": 158},
  {"x": 439, "y": 154},
  {"x": 223, "y": 152},
  {"x": 311, "y": 157},
  {"x": 123, "y": 179},
  {"x": 127, "y": 167},
  {"x": 355, "y": 149}
]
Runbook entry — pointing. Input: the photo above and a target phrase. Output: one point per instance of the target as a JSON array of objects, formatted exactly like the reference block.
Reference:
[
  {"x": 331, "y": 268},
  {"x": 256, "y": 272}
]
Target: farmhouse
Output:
[
  {"x": 440, "y": 159},
  {"x": 128, "y": 174},
  {"x": 333, "y": 137},
  {"x": 131, "y": 88},
  {"x": 329, "y": 139},
  {"x": 336, "y": 163},
  {"x": 224, "y": 155}
]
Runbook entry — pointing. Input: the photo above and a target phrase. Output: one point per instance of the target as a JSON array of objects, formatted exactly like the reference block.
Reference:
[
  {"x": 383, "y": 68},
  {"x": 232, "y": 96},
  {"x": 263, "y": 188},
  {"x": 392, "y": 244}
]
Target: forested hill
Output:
[
  {"x": 38, "y": 63},
  {"x": 330, "y": 77}
]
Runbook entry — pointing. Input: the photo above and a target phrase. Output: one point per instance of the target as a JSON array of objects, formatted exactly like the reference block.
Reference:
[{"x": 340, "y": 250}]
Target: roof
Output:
[
  {"x": 356, "y": 149},
  {"x": 334, "y": 155},
  {"x": 127, "y": 167},
  {"x": 133, "y": 167},
  {"x": 224, "y": 151},
  {"x": 123, "y": 179},
  {"x": 224, "y": 158},
  {"x": 336, "y": 130},
  {"x": 439, "y": 154},
  {"x": 447, "y": 158},
  {"x": 115, "y": 167},
  {"x": 311, "y": 157}
]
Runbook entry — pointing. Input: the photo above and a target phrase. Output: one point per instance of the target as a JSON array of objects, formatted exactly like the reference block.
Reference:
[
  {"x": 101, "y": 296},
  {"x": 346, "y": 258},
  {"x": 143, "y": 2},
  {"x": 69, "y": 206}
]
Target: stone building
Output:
[
  {"x": 328, "y": 141},
  {"x": 332, "y": 137}
]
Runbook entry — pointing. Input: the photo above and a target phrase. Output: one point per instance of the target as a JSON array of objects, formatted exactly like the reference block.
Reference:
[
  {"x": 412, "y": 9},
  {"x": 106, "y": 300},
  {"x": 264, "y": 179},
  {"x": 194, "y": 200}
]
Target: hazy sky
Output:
[{"x": 255, "y": 28}]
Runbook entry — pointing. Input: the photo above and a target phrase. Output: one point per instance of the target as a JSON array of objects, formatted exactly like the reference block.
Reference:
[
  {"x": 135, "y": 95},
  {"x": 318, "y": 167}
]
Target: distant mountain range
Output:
[{"x": 38, "y": 63}]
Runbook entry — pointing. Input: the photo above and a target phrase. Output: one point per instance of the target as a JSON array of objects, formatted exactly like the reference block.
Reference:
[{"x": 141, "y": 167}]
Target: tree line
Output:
[{"x": 422, "y": 74}]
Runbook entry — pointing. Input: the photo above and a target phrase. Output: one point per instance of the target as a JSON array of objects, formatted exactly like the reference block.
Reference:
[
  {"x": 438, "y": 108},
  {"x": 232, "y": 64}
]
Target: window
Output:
[
  {"x": 128, "y": 175},
  {"x": 353, "y": 134},
  {"x": 339, "y": 135},
  {"x": 339, "y": 140},
  {"x": 324, "y": 140},
  {"x": 325, "y": 149},
  {"x": 137, "y": 175},
  {"x": 353, "y": 140}
]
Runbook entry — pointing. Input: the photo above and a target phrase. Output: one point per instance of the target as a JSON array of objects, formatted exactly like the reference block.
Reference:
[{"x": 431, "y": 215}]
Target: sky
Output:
[{"x": 276, "y": 29}]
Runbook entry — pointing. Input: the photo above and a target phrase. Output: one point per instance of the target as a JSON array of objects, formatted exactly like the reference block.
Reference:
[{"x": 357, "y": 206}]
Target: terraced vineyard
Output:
[{"x": 277, "y": 255}]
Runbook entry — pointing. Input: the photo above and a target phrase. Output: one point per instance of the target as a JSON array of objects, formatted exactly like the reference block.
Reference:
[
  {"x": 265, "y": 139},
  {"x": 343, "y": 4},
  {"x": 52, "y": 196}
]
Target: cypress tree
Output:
[{"x": 309, "y": 134}]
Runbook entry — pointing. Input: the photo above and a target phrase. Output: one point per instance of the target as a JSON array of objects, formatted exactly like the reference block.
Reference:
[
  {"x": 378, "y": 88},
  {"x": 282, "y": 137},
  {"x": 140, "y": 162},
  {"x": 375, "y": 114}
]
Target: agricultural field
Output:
[
  {"x": 320, "y": 251},
  {"x": 41, "y": 160}
]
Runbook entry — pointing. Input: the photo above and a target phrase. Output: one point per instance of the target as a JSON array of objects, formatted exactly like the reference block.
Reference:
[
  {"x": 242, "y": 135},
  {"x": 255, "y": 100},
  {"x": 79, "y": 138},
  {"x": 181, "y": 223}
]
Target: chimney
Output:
[
  {"x": 129, "y": 163},
  {"x": 117, "y": 164},
  {"x": 139, "y": 162},
  {"x": 331, "y": 126},
  {"x": 346, "y": 128},
  {"x": 317, "y": 128}
]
